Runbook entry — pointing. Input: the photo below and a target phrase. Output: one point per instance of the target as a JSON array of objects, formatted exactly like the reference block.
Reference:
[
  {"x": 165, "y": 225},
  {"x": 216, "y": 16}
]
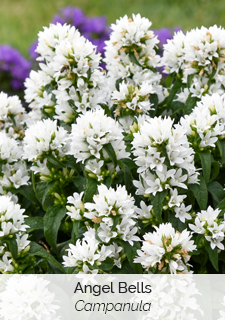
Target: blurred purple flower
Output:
[
  {"x": 94, "y": 29},
  {"x": 15, "y": 65},
  {"x": 32, "y": 50},
  {"x": 165, "y": 34},
  {"x": 57, "y": 19}
]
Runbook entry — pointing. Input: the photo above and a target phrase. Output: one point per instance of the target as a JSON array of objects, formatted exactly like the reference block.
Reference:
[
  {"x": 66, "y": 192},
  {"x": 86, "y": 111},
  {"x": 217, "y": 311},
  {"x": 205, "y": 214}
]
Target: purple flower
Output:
[
  {"x": 165, "y": 34},
  {"x": 58, "y": 19},
  {"x": 94, "y": 29},
  {"x": 73, "y": 16},
  {"x": 16, "y": 66},
  {"x": 95, "y": 25},
  {"x": 32, "y": 50}
]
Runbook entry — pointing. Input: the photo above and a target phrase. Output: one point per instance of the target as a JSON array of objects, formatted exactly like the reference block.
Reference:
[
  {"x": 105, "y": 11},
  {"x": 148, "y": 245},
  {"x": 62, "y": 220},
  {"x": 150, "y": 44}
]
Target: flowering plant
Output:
[{"x": 117, "y": 173}]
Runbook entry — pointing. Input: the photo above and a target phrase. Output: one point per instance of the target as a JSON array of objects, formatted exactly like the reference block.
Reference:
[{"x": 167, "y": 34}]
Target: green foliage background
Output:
[{"x": 21, "y": 20}]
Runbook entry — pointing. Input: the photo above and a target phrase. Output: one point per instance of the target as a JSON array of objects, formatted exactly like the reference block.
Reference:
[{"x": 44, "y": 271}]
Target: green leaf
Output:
[
  {"x": 107, "y": 264},
  {"x": 42, "y": 190},
  {"x": 128, "y": 179},
  {"x": 97, "y": 236},
  {"x": 115, "y": 223},
  {"x": 200, "y": 192},
  {"x": 205, "y": 157},
  {"x": 48, "y": 88},
  {"x": 35, "y": 223},
  {"x": 169, "y": 80},
  {"x": 154, "y": 100},
  {"x": 52, "y": 221},
  {"x": 53, "y": 160},
  {"x": 221, "y": 206},
  {"x": 37, "y": 250},
  {"x": 131, "y": 252},
  {"x": 176, "y": 106},
  {"x": 111, "y": 153},
  {"x": 174, "y": 90},
  {"x": 189, "y": 79},
  {"x": 199, "y": 239},
  {"x": 80, "y": 183},
  {"x": 89, "y": 74},
  {"x": 130, "y": 163},
  {"x": 216, "y": 169},
  {"x": 108, "y": 181},
  {"x": 157, "y": 204},
  {"x": 75, "y": 230},
  {"x": 216, "y": 191},
  {"x": 221, "y": 146},
  {"x": 71, "y": 163},
  {"x": 118, "y": 81},
  {"x": 134, "y": 59},
  {"x": 213, "y": 255},
  {"x": 190, "y": 104},
  {"x": 13, "y": 248},
  {"x": 91, "y": 190},
  {"x": 212, "y": 75},
  {"x": 28, "y": 192}
]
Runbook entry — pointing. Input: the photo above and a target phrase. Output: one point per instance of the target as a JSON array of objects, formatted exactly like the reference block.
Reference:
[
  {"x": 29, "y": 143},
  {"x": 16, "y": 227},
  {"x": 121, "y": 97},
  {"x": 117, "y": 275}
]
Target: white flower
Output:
[
  {"x": 11, "y": 114},
  {"x": 45, "y": 136},
  {"x": 182, "y": 212},
  {"x": 84, "y": 250},
  {"x": 206, "y": 121},
  {"x": 5, "y": 263},
  {"x": 77, "y": 208},
  {"x": 11, "y": 217},
  {"x": 10, "y": 150},
  {"x": 110, "y": 204},
  {"x": 207, "y": 223},
  {"x": 27, "y": 298},
  {"x": 198, "y": 227},
  {"x": 91, "y": 132},
  {"x": 145, "y": 211},
  {"x": 199, "y": 53},
  {"x": 134, "y": 32},
  {"x": 105, "y": 233},
  {"x": 164, "y": 248}
]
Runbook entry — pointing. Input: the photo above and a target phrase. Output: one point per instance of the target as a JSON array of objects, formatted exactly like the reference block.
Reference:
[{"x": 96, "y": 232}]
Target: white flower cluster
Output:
[
  {"x": 200, "y": 53},
  {"x": 44, "y": 138},
  {"x": 208, "y": 224},
  {"x": 12, "y": 224},
  {"x": 77, "y": 209},
  {"x": 26, "y": 298},
  {"x": 131, "y": 35},
  {"x": 14, "y": 172},
  {"x": 132, "y": 98},
  {"x": 90, "y": 251},
  {"x": 70, "y": 81},
  {"x": 164, "y": 159},
  {"x": 206, "y": 124},
  {"x": 114, "y": 212},
  {"x": 171, "y": 296},
  {"x": 90, "y": 134},
  {"x": 131, "y": 56},
  {"x": 166, "y": 250},
  {"x": 12, "y": 116}
]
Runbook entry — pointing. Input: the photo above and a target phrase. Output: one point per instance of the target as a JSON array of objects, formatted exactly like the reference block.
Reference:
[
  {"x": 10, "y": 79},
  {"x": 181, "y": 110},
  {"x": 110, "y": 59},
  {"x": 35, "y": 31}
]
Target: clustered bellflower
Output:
[{"x": 116, "y": 171}]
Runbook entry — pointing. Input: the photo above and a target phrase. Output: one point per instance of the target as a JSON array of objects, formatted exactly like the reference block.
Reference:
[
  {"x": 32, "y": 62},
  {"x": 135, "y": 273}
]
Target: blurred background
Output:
[{"x": 21, "y": 20}]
